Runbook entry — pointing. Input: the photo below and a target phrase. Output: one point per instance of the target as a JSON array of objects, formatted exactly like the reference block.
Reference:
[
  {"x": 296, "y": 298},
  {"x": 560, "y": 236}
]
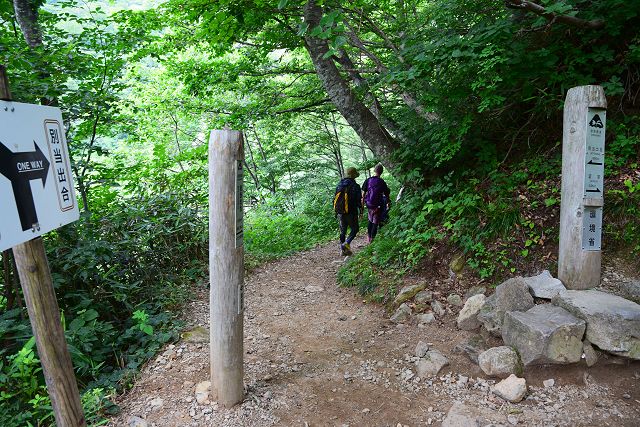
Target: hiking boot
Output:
[{"x": 346, "y": 249}]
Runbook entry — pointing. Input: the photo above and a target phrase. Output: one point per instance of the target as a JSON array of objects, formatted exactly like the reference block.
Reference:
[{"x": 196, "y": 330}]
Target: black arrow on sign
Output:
[
  {"x": 597, "y": 190},
  {"x": 21, "y": 169},
  {"x": 591, "y": 162}
]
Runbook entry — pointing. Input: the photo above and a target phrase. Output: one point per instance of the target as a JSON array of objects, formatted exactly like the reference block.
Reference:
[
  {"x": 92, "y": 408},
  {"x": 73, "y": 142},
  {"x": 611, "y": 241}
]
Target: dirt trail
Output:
[{"x": 316, "y": 355}]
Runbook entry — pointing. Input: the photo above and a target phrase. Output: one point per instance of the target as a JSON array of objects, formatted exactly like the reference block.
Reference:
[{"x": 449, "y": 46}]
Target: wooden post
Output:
[
  {"x": 44, "y": 315},
  {"x": 226, "y": 265},
  {"x": 579, "y": 258}
]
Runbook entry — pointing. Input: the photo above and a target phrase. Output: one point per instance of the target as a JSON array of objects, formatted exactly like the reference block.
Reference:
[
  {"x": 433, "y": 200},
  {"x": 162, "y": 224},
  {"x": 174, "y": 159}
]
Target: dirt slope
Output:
[{"x": 317, "y": 355}]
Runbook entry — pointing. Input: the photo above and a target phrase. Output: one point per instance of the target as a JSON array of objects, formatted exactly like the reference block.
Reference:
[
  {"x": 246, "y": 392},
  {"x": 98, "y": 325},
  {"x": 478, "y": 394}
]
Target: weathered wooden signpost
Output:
[
  {"x": 579, "y": 259},
  {"x": 36, "y": 196},
  {"x": 226, "y": 265}
]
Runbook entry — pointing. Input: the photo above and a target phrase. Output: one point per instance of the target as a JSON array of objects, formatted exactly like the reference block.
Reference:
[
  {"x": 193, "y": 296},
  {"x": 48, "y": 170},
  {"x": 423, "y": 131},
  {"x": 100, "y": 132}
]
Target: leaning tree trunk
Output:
[
  {"x": 359, "y": 117},
  {"x": 27, "y": 16}
]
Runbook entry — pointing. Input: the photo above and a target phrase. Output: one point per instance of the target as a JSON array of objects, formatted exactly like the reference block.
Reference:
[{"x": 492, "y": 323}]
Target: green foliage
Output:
[{"x": 271, "y": 233}]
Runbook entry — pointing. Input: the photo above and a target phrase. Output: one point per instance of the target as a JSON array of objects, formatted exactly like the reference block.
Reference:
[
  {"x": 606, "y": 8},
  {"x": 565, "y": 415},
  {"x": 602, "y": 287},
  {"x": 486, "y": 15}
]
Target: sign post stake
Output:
[
  {"x": 226, "y": 265},
  {"x": 579, "y": 258},
  {"x": 44, "y": 315}
]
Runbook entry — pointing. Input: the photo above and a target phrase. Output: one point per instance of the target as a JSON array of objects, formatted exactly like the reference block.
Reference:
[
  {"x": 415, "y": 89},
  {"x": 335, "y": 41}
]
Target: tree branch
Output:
[{"x": 554, "y": 17}]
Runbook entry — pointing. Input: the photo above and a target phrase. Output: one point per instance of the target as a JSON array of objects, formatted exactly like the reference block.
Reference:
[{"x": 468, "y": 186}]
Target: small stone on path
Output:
[
  {"x": 196, "y": 335},
  {"x": 134, "y": 421},
  {"x": 549, "y": 383},
  {"x": 421, "y": 349},
  {"x": 423, "y": 297},
  {"x": 468, "y": 316},
  {"x": 437, "y": 308},
  {"x": 472, "y": 347},
  {"x": 425, "y": 319},
  {"x": 454, "y": 299},
  {"x": 431, "y": 364},
  {"x": 202, "y": 392},
  {"x": 402, "y": 314},
  {"x": 512, "y": 389},
  {"x": 156, "y": 403}
]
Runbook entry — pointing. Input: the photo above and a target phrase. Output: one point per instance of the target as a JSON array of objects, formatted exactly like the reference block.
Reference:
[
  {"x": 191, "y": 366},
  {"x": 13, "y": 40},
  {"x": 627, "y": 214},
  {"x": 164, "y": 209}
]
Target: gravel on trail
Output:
[{"x": 318, "y": 355}]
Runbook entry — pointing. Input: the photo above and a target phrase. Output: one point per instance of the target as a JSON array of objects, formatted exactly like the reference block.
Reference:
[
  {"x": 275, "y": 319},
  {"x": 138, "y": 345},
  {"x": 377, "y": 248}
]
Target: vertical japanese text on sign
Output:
[{"x": 60, "y": 166}]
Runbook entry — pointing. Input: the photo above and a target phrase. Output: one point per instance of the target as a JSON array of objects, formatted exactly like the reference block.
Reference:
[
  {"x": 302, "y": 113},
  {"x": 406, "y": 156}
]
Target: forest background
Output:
[{"x": 461, "y": 100}]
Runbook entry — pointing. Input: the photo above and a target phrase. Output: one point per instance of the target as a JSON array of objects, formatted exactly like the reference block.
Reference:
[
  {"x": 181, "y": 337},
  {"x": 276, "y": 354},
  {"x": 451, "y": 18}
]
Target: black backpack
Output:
[{"x": 341, "y": 201}]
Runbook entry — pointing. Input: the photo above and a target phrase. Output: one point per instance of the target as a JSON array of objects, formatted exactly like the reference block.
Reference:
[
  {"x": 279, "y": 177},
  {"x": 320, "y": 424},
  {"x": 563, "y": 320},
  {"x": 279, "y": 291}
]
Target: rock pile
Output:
[{"x": 572, "y": 326}]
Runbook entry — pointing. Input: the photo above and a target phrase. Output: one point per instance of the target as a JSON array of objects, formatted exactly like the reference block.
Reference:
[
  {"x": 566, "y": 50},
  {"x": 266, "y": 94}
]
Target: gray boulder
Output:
[
  {"x": 631, "y": 290},
  {"x": 544, "y": 334},
  {"x": 500, "y": 362},
  {"x": 402, "y": 314},
  {"x": 544, "y": 285},
  {"x": 613, "y": 323},
  {"x": 468, "y": 316},
  {"x": 472, "y": 347},
  {"x": 512, "y": 295},
  {"x": 431, "y": 364}
]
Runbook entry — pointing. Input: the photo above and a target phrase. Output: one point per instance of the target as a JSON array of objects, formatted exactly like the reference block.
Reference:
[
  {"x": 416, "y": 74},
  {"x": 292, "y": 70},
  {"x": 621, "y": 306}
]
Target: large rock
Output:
[
  {"x": 472, "y": 347},
  {"x": 468, "y": 316},
  {"x": 512, "y": 295},
  {"x": 512, "y": 389},
  {"x": 544, "y": 285},
  {"x": 500, "y": 362},
  {"x": 402, "y": 314},
  {"x": 431, "y": 364},
  {"x": 613, "y": 323},
  {"x": 407, "y": 293},
  {"x": 544, "y": 334},
  {"x": 631, "y": 290}
]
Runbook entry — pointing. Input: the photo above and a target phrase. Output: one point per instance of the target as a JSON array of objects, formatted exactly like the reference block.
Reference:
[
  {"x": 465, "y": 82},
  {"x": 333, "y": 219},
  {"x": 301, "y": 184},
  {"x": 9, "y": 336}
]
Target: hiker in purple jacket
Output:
[{"x": 377, "y": 198}]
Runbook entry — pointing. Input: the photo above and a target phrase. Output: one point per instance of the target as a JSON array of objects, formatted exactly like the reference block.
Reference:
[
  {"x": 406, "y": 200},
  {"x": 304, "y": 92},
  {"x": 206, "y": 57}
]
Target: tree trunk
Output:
[
  {"x": 27, "y": 16},
  {"x": 352, "y": 109}
]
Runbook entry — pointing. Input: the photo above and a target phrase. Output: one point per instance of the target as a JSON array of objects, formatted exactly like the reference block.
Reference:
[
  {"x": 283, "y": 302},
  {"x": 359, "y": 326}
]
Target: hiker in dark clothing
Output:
[
  {"x": 347, "y": 204},
  {"x": 377, "y": 198}
]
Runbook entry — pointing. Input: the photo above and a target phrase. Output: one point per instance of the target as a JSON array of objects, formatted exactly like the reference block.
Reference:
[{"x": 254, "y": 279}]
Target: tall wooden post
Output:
[
  {"x": 579, "y": 259},
  {"x": 226, "y": 265},
  {"x": 44, "y": 315}
]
